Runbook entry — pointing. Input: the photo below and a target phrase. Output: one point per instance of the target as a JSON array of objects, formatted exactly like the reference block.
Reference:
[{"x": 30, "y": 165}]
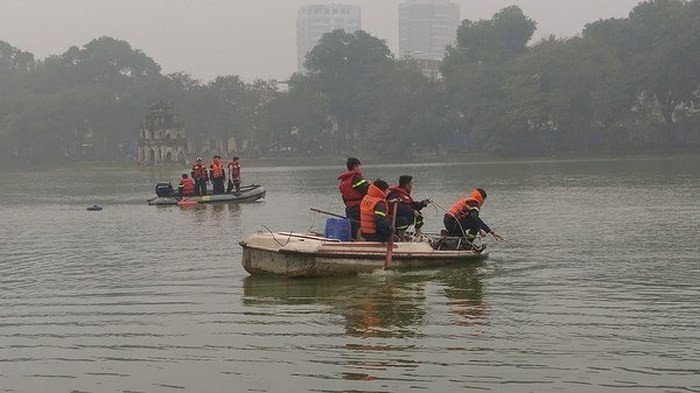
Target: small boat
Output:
[
  {"x": 249, "y": 193},
  {"x": 313, "y": 255},
  {"x": 94, "y": 208}
]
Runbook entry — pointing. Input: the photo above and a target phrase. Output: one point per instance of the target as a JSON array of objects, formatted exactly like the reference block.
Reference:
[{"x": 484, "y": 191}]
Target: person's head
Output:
[
  {"x": 381, "y": 184},
  {"x": 199, "y": 160},
  {"x": 184, "y": 176},
  {"x": 217, "y": 157},
  {"x": 406, "y": 182},
  {"x": 353, "y": 163},
  {"x": 235, "y": 158}
]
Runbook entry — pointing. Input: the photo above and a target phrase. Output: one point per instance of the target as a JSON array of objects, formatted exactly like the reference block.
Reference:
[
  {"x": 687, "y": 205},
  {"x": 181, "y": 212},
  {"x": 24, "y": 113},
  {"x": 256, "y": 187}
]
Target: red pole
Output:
[{"x": 390, "y": 244}]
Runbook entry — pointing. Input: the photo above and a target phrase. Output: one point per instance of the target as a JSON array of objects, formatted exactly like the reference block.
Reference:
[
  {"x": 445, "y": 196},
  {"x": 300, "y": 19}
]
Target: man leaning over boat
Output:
[{"x": 463, "y": 218}]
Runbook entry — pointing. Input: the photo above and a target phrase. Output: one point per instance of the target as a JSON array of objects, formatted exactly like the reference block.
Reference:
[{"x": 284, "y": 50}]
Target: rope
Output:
[
  {"x": 464, "y": 233},
  {"x": 275, "y": 239}
]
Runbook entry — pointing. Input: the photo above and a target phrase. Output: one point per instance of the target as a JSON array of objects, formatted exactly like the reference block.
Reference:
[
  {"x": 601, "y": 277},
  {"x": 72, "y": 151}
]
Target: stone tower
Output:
[{"x": 162, "y": 137}]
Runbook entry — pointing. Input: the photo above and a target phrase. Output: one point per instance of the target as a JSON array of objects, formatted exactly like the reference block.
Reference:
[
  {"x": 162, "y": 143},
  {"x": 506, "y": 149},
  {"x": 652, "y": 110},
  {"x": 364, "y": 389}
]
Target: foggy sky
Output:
[{"x": 249, "y": 38}]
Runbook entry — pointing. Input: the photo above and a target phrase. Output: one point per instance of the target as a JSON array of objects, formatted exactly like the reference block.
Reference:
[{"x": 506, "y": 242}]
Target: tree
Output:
[
  {"x": 298, "y": 119},
  {"x": 497, "y": 40},
  {"x": 414, "y": 115},
  {"x": 476, "y": 69},
  {"x": 348, "y": 68},
  {"x": 667, "y": 62},
  {"x": 13, "y": 59}
]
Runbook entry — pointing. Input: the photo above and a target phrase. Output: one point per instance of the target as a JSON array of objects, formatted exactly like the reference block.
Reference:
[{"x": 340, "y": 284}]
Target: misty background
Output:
[
  {"x": 165, "y": 81},
  {"x": 250, "y": 38}
]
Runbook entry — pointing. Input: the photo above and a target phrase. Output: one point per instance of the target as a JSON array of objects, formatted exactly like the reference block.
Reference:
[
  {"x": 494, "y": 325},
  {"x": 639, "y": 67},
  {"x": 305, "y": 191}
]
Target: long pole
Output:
[
  {"x": 331, "y": 214},
  {"x": 390, "y": 244}
]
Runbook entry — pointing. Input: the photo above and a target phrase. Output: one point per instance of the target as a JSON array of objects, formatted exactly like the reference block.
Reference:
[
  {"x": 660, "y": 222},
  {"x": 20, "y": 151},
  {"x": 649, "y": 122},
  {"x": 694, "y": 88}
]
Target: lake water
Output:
[{"x": 595, "y": 288}]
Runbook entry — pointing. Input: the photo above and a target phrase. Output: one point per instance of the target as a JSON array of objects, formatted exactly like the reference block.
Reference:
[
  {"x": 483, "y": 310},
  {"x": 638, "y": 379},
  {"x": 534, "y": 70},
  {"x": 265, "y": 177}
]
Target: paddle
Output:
[{"x": 390, "y": 244}]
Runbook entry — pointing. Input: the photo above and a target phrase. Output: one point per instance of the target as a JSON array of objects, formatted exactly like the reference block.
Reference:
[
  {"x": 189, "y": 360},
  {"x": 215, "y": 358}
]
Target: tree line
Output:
[{"x": 626, "y": 84}]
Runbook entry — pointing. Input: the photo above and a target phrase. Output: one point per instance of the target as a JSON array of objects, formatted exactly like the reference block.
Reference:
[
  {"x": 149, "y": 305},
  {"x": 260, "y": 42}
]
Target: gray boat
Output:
[{"x": 249, "y": 193}]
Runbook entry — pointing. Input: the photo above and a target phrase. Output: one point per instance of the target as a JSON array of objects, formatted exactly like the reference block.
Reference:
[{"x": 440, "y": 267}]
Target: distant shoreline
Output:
[{"x": 369, "y": 161}]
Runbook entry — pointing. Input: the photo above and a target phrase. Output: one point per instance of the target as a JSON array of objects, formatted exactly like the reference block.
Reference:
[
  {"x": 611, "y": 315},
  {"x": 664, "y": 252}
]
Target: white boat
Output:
[{"x": 308, "y": 255}]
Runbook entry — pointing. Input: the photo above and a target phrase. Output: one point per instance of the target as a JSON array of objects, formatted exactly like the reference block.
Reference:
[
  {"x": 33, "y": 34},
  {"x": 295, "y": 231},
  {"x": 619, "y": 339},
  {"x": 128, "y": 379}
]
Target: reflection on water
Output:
[
  {"x": 594, "y": 290},
  {"x": 389, "y": 304}
]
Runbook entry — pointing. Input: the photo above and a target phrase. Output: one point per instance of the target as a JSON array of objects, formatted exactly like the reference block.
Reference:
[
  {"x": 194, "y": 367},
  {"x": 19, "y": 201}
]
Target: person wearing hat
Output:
[{"x": 199, "y": 174}]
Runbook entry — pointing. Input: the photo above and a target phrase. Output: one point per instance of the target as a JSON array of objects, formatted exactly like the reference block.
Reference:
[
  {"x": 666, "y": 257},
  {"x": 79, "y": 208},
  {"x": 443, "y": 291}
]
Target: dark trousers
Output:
[
  {"x": 232, "y": 184},
  {"x": 218, "y": 186},
  {"x": 200, "y": 187},
  {"x": 454, "y": 227},
  {"x": 376, "y": 237},
  {"x": 353, "y": 214}
]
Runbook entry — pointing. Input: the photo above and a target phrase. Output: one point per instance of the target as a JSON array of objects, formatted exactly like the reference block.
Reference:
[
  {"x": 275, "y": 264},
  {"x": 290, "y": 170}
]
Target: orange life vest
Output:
[
  {"x": 368, "y": 209},
  {"x": 187, "y": 186},
  {"x": 217, "y": 169},
  {"x": 465, "y": 204}
]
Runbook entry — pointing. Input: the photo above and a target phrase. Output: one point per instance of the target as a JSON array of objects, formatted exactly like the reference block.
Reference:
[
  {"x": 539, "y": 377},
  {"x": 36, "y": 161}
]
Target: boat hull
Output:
[
  {"x": 297, "y": 255},
  {"x": 246, "y": 195}
]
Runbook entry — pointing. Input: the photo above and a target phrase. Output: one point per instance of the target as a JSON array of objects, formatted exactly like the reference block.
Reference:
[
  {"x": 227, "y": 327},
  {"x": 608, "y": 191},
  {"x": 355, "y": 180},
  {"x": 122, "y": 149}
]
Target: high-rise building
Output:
[
  {"x": 426, "y": 27},
  {"x": 314, "y": 21}
]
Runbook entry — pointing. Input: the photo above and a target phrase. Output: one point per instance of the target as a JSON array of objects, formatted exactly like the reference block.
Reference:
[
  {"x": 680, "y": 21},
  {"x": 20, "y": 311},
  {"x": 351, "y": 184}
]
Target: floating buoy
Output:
[{"x": 94, "y": 208}]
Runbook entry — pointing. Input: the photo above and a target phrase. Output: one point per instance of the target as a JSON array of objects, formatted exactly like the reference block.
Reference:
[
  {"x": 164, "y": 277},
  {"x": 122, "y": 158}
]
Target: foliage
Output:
[
  {"x": 348, "y": 68},
  {"x": 623, "y": 84}
]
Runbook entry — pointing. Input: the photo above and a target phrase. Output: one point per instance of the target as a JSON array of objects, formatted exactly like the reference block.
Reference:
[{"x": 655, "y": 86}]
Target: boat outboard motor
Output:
[{"x": 164, "y": 190}]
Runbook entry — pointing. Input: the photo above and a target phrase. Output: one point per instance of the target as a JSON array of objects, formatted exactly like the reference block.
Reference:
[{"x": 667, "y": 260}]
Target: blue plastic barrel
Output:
[{"x": 338, "y": 228}]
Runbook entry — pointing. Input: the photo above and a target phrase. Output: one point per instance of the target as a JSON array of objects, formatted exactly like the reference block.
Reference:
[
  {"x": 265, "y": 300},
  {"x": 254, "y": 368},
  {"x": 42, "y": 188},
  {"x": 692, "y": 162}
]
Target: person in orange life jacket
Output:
[
  {"x": 199, "y": 174},
  {"x": 353, "y": 187},
  {"x": 217, "y": 175},
  {"x": 408, "y": 210},
  {"x": 234, "y": 176},
  {"x": 186, "y": 186},
  {"x": 464, "y": 215},
  {"x": 375, "y": 223}
]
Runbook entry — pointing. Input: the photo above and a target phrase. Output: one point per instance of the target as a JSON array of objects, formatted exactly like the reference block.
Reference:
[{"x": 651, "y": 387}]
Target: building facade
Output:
[
  {"x": 426, "y": 27},
  {"x": 314, "y": 21},
  {"x": 162, "y": 138}
]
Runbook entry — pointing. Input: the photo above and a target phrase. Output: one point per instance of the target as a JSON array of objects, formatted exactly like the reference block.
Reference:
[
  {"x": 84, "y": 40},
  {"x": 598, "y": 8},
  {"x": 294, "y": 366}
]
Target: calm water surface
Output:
[{"x": 595, "y": 289}]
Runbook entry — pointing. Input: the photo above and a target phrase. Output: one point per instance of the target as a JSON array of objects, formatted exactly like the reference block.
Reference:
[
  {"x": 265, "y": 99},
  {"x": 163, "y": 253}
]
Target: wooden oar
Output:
[{"x": 390, "y": 244}]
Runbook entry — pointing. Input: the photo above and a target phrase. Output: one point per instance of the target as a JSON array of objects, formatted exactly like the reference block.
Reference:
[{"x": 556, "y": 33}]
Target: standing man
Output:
[
  {"x": 217, "y": 175},
  {"x": 199, "y": 174},
  {"x": 353, "y": 187},
  {"x": 234, "y": 176},
  {"x": 408, "y": 211},
  {"x": 463, "y": 218},
  {"x": 375, "y": 225}
]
